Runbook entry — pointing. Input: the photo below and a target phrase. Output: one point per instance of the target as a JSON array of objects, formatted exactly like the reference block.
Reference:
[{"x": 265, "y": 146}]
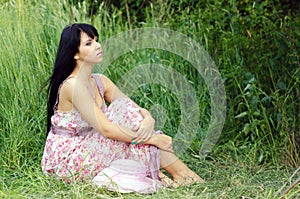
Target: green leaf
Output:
[{"x": 243, "y": 114}]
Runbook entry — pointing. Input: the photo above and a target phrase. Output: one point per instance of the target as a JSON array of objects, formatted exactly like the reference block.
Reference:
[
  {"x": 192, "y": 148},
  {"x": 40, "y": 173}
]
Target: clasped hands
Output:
[{"x": 145, "y": 132}]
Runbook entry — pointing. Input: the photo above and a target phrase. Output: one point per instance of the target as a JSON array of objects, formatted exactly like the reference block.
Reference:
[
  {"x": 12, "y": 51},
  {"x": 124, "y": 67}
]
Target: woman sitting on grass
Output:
[{"x": 115, "y": 146}]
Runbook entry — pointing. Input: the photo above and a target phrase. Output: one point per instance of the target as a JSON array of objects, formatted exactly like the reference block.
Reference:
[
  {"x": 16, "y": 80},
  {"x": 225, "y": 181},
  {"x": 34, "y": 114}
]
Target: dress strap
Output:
[
  {"x": 100, "y": 85},
  {"x": 57, "y": 97}
]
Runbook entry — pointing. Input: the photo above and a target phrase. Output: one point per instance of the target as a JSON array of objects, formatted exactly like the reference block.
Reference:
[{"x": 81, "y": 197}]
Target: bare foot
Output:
[
  {"x": 181, "y": 174},
  {"x": 168, "y": 182},
  {"x": 188, "y": 179}
]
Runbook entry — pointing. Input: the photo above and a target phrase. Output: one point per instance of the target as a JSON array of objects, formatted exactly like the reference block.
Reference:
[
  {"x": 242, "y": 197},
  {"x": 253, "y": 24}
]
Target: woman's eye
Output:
[{"x": 88, "y": 44}]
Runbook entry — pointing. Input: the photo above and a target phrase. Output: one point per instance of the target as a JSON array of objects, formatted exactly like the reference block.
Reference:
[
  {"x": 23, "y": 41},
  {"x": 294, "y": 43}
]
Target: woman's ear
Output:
[{"x": 76, "y": 57}]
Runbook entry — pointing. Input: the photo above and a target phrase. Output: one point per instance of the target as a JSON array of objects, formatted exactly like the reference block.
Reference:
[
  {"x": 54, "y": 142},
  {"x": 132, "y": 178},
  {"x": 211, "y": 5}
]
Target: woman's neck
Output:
[{"x": 83, "y": 72}]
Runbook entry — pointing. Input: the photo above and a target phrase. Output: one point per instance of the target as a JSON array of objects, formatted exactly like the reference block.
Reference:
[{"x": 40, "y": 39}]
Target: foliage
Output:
[{"x": 254, "y": 44}]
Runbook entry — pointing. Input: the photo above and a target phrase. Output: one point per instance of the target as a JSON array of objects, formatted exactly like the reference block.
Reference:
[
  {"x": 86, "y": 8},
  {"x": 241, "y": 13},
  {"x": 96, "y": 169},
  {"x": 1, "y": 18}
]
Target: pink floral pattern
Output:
[{"x": 75, "y": 151}]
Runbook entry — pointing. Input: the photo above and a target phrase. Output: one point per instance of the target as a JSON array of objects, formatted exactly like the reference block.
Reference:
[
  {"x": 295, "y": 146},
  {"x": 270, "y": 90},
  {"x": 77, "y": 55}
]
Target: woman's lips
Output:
[{"x": 99, "y": 54}]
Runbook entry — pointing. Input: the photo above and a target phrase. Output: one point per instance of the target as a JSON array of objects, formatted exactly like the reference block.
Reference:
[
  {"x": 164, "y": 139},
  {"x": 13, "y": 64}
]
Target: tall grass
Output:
[
  {"x": 22, "y": 72},
  {"x": 262, "y": 85}
]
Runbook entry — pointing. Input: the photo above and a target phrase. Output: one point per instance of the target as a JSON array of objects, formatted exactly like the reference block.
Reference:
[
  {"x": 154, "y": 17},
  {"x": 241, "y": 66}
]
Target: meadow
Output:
[{"x": 254, "y": 45}]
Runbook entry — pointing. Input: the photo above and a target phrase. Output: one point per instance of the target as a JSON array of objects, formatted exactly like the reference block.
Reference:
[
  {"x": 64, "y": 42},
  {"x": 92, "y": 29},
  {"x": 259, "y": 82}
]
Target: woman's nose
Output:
[{"x": 98, "y": 45}]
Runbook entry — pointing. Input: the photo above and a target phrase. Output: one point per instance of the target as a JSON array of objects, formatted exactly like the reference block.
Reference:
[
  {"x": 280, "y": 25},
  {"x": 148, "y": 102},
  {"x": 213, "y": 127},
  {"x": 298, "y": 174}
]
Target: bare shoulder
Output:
[
  {"x": 103, "y": 77},
  {"x": 105, "y": 80},
  {"x": 65, "y": 94},
  {"x": 68, "y": 86}
]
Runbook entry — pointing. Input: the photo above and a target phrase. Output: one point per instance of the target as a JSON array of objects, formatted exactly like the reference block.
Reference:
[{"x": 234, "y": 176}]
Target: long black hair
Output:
[{"x": 65, "y": 62}]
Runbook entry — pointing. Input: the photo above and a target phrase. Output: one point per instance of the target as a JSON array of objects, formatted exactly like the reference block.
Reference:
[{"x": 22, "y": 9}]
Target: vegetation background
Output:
[{"x": 255, "y": 45}]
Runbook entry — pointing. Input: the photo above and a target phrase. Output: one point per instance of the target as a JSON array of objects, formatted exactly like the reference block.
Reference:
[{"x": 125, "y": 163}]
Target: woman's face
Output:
[{"x": 90, "y": 50}]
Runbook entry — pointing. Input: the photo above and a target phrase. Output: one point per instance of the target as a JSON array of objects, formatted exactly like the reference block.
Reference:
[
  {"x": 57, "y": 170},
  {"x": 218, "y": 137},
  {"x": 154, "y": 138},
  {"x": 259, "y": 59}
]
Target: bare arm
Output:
[
  {"x": 112, "y": 92},
  {"x": 79, "y": 96},
  {"x": 81, "y": 99}
]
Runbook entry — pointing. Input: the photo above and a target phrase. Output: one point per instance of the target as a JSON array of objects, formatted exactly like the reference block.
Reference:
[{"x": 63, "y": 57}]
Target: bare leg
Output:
[
  {"x": 165, "y": 179},
  {"x": 181, "y": 174},
  {"x": 179, "y": 171}
]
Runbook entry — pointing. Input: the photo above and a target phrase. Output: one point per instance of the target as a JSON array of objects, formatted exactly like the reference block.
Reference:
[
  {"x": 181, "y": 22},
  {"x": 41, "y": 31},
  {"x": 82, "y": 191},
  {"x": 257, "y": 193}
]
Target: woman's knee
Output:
[{"x": 124, "y": 112}]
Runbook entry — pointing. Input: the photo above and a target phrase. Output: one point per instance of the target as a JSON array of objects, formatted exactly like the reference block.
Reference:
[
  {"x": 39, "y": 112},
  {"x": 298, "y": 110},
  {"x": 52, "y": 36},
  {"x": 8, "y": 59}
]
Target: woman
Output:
[{"x": 115, "y": 146}]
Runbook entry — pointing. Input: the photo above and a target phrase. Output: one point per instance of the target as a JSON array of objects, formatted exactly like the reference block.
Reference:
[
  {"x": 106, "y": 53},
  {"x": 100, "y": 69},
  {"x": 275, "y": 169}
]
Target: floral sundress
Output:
[{"x": 76, "y": 151}]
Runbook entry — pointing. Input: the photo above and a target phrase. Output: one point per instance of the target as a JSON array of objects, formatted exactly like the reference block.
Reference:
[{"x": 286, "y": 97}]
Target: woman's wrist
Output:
[
  {"x": 145, "y": 113},
  {"x": 152, "y": 140}
]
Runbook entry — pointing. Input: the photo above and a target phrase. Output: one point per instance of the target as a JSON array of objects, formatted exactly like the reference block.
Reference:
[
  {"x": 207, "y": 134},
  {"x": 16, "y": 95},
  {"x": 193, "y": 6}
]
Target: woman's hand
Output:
[
  {"x": 162, "y": 141},
  {"x": 146, "y": 128}
]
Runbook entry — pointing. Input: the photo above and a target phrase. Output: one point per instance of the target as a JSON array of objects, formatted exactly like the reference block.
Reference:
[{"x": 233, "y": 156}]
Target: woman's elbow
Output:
[
  {"x": 105, "y": 132},
  {"x": 103, "y": 128}
]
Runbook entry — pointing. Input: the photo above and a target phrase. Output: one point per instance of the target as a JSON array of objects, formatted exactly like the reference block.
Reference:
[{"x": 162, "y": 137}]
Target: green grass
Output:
[
  {"x": 225, "y": 178},
  {"x": 257, "y": 153}
]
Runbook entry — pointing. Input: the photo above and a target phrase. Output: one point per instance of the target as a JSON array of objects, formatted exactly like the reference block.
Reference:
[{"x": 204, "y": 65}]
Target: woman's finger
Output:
[{"x": 143, "y": 135}]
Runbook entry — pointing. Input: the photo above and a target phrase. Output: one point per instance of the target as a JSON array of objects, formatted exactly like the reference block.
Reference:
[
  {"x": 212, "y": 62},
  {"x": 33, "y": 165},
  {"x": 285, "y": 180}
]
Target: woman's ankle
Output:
[
  {"x": 187, "y": 177},
  {"x": 180, "y": 172}
]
